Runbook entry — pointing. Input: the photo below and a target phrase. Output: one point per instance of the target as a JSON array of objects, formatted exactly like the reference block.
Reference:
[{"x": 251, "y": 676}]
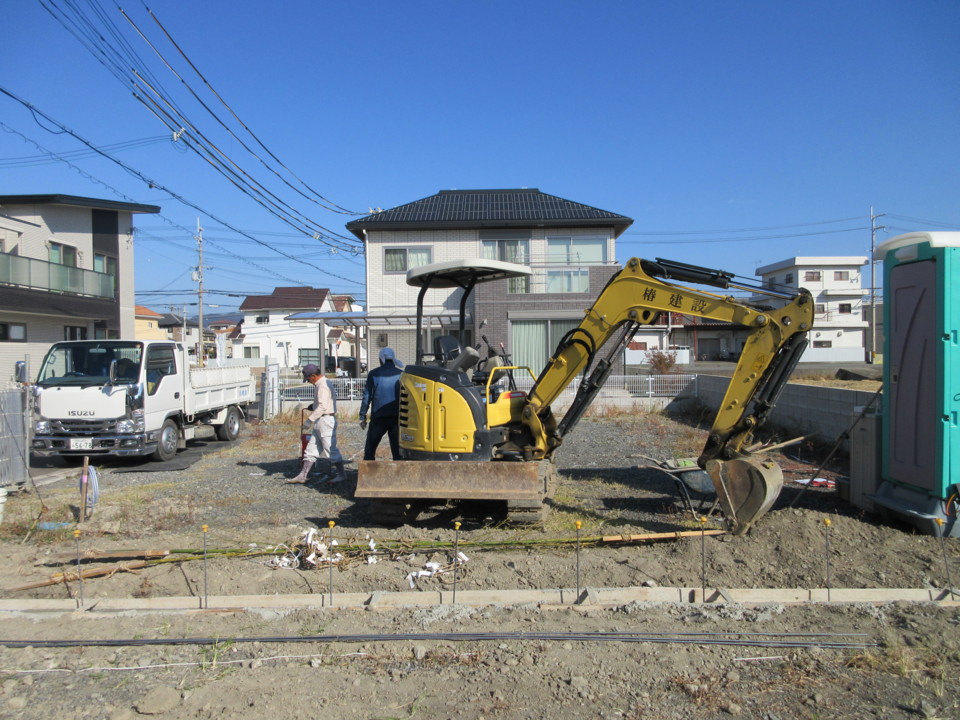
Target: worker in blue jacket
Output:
[{"x": 381, "y": 395}]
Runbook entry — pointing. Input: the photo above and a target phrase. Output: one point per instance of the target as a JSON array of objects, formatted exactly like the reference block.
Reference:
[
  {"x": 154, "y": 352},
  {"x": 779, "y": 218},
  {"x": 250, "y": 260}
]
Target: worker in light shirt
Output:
[{"x": 321, "y": 424}]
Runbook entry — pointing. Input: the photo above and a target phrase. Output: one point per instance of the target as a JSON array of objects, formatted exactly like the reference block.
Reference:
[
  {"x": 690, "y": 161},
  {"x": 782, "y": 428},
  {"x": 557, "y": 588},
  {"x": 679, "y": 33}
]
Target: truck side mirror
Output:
[
  {"x": 20, "y": 372},
  {"x": 113, "y": 371}
]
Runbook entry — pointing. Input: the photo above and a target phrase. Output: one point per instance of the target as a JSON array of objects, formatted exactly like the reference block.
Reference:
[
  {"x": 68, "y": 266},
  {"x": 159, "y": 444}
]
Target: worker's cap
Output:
[
  {"x": 388, "y": 354},
  {"x": 309, "y": 370}
]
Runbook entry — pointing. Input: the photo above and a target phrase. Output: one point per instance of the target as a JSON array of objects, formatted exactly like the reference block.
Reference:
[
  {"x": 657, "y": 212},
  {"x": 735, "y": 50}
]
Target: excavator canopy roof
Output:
[{"x": 464, "y": 273}]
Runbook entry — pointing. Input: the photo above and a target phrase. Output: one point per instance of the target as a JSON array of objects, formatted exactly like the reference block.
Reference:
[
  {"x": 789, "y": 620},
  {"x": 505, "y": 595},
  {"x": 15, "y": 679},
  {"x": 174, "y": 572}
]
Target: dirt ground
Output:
[{"x": 638, "y": 660}]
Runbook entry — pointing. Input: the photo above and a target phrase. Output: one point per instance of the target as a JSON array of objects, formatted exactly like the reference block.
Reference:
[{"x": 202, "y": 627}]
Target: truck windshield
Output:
[{"x": 88, "y": 363}]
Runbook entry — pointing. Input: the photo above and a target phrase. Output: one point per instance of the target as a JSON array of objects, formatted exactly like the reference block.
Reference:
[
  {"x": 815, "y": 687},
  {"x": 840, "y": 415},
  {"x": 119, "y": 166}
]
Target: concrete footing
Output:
[{"x": 566, "y": 598}]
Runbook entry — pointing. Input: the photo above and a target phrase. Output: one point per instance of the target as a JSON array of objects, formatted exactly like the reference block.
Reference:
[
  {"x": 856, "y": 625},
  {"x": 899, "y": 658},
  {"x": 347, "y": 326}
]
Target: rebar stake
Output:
[
  {"x": 76, "y": 537},
  {"x": 703, "y": 559},
  {"x": 456, "y": 559},
  {"x": 330, "y": 525},
  {"x": 206, "y": 602},
  {"x": 826, "y": 534},
  {"x": 579, "y": 525},
  {"x": 946, "y": 561}
]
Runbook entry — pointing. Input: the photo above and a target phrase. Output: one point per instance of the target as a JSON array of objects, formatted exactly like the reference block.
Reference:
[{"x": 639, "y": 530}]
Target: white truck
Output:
[{"x": 132, "y": 397}]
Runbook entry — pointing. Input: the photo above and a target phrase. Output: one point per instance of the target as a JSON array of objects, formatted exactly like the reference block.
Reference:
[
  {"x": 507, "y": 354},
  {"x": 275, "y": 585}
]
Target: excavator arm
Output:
[{"x": 635, "y": 296}]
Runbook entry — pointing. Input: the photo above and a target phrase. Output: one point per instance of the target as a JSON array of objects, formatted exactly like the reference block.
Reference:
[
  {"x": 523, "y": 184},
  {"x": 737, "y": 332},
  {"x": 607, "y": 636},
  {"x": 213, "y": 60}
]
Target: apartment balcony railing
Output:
[{"x": 52, "y": 277}]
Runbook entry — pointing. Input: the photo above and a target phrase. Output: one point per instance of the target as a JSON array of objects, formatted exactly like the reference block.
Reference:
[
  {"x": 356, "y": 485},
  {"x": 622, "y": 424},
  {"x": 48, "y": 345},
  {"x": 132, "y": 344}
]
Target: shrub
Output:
[{"x": 662, "y": 362}]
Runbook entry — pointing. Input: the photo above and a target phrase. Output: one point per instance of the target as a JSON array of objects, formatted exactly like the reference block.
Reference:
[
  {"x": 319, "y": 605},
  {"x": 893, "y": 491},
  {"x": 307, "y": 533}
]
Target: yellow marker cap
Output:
[
  {"x": 826, "y": 521},
  {"x": 204, "y": 527},
  {"x": 456, "y": 526},
  {"x": 76, "y": 532},
  {"x": 579, "y": 524},
  {"x": 938, "y": 521},
  {"x": 331, "y": 524}
]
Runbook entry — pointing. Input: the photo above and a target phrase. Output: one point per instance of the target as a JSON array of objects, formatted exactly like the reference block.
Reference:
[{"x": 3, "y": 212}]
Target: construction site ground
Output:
[{"x": 368, "y": 640}]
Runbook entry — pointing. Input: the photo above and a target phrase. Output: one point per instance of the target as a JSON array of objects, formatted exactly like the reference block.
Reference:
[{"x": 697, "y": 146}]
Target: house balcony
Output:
[{"x": 34, "y": 274}]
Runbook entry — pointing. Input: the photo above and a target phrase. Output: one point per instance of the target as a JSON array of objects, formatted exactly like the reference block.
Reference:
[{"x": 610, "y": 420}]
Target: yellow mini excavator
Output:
[{"x": 467, "y": 433}]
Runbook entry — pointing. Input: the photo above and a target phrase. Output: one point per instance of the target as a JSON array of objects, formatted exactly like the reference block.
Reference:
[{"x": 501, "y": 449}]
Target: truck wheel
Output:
[
  {"x": 230, "y": 430},
  {"x": 167, "y": 442}
]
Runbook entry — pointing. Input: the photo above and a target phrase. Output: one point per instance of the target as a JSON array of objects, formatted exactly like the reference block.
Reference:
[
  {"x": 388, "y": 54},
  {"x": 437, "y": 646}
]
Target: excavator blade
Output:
[{"x": 746, "y": 487}]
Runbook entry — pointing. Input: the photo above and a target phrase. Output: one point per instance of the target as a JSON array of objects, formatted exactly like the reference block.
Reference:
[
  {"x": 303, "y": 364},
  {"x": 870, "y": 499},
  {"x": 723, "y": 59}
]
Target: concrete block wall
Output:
[{"x": 801, "y": 410}]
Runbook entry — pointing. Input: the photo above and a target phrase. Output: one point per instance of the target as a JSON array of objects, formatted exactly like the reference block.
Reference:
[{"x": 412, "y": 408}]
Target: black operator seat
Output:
[{"x": 446, "y": 349}]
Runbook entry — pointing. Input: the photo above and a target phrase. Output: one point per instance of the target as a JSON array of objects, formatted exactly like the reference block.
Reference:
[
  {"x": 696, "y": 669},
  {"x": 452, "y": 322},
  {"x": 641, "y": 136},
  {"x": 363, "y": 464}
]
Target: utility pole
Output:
[
  {"x": 201, "y": 360},
  {"x": 873, "y": 283}
]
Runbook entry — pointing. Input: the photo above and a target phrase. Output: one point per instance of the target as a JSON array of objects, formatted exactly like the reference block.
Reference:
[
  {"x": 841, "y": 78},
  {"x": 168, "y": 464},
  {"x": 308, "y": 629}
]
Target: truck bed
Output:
[{"x": 217, "y": 387}]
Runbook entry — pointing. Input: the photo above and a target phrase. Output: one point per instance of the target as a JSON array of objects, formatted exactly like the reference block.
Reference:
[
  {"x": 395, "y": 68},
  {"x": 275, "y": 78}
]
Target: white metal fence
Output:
[
  {"x": 14, "y": 450},
  {"x": 292, "y": 388}
]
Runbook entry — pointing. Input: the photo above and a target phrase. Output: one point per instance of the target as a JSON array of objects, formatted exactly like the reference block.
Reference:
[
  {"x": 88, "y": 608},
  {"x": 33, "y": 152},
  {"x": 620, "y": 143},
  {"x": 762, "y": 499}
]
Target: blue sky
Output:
[{"x": 700, "y": 120}]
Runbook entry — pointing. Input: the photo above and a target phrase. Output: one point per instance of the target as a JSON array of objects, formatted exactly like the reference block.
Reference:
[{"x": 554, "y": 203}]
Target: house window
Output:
[
  {"x": 309, "y": 355},
  {"x": 263, "y": 319},
  {"x": 13, "y": 332},
  {"x": 397, "y": 260},
  {"x": 105, "y": 264},
  {"x": 534, "y": 341},
  {"x": 845, "y": 308},
  {"x": 514, "y": 251},
  {"x": 841, "y": 274},
  {"x": 823, "y": 343},
  {"x": 573, "y": 251},
  {"x": 251, "y": 352},
  {"x": 568, "y": 281},
  {"x": 771, "y": 282},
  {"x": 63, "y": 254},
  {"x": 576, "y": 250},
  {"x": 811, "y": 276},
  {"x": 74, "y": 332},
  {"x": 788, "y": 279},
  {"x": 820, "y": 308}
]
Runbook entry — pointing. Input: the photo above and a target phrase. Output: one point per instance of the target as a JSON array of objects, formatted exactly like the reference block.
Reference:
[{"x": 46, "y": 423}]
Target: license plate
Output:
[{"x": 81, "y": 444}]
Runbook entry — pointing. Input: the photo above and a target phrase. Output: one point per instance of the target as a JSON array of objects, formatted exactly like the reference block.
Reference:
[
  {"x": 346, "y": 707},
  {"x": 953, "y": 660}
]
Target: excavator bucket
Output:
[{"x": 746, "y": 487}]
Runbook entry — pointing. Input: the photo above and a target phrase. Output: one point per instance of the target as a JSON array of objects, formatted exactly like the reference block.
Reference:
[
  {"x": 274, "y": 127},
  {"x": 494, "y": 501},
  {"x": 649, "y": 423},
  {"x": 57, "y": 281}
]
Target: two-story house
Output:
[
  {"x": 66, "y": 272},
  {"x": 148, "y": 324},
  {"x": 265, "y": 331},
  {"x": 840, "y": 322},
  {"x": 570, "y": 247}
]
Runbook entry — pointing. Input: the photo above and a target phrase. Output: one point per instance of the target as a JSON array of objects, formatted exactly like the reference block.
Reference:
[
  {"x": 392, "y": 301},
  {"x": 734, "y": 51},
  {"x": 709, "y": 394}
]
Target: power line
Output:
[
  {"x": 153, "y": 183},
  {"x": 335, "y": 207},
  {"x": 151, "y": 94},
  {"x": 738, "y": 239},
  {"x": 740, "y": 230}
]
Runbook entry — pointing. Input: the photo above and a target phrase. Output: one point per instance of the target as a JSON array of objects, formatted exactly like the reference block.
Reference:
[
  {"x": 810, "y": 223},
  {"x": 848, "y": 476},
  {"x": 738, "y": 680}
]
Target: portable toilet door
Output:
[{"x": 920, "y": 457}]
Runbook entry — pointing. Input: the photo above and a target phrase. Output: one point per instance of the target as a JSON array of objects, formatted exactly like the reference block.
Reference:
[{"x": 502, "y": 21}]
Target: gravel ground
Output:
[{"x": 909, "y": 666}]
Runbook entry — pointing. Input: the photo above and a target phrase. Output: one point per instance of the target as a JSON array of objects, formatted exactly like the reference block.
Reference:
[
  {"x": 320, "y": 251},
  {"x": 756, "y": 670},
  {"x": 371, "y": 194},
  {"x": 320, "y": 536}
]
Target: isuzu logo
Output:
[{"x": 80, "y": 413}]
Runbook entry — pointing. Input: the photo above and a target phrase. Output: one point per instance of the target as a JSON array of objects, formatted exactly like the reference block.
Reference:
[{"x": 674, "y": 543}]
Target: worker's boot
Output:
[
  {"x": 339, "y": 474},
  {"x": 301, "y": 479}
]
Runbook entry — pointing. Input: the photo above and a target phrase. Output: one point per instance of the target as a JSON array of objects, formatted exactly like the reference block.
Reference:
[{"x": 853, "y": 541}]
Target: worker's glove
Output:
[
  {"x": 307, "y": 427},
  {"x": 363, "y": 423}
]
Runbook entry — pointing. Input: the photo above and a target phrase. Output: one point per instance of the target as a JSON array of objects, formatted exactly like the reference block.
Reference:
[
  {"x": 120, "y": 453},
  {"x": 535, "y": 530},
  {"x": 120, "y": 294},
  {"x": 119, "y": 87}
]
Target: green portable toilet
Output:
[{"x": 920, "y": 456}]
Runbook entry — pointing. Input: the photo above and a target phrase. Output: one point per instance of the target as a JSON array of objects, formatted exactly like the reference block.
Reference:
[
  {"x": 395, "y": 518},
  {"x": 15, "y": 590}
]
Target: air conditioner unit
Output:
[{"x": 382, "y": 340}]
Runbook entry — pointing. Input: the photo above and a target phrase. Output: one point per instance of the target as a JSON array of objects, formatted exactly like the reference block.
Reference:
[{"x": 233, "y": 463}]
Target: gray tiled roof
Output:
[{"x": 489, "y": 208}]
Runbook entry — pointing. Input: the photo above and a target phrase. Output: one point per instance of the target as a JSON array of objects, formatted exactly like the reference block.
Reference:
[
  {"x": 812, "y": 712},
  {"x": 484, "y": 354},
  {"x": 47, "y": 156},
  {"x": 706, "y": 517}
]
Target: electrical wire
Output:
[
  {"x": 154, "y": 183},
  {"x": 736, "y": 239},
  {"x": 118, "y": 56},
  {"x": 334, "y": 207}
]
